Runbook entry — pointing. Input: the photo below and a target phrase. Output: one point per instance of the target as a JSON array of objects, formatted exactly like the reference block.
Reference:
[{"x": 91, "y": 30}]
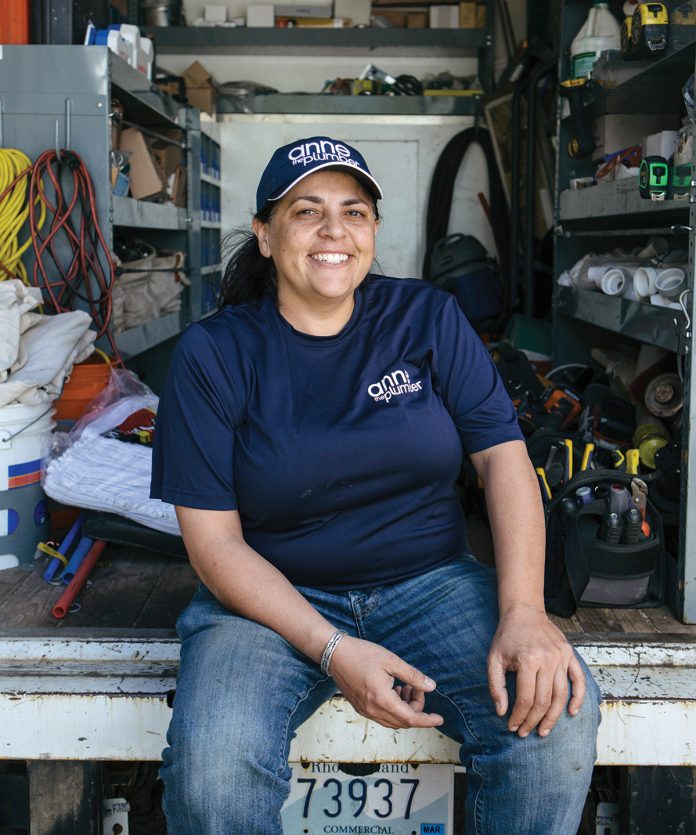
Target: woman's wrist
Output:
[{"x": 331, "y": 644}]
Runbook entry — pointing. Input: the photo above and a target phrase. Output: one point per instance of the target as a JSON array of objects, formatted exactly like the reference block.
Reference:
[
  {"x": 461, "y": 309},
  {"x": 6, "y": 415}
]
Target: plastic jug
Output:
[{"x": 600, "y": 31}]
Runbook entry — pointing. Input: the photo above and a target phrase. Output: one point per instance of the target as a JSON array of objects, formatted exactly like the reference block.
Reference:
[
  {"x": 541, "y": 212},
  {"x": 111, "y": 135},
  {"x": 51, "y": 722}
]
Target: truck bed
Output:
[{"x": 105, "y": 670}]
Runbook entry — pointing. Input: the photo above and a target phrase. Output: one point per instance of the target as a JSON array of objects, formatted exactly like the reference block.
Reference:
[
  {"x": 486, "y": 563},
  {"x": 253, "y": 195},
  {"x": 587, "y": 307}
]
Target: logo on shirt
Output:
[{"x": 393, "y": 384}]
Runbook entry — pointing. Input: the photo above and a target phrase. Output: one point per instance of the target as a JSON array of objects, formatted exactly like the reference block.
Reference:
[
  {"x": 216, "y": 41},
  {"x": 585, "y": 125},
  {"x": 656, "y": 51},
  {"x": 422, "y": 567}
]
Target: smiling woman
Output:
[
  {"x": 321, "y": 239},
  {"x": 310, "y": 435}
]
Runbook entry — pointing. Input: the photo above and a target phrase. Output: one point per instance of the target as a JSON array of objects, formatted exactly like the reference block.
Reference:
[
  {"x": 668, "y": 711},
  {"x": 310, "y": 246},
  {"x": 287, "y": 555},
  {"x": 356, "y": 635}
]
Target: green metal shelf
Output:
[
  {"x": 619, "y": 203},
  {"x": 242, "y": 40},
  {"x": 135, "y": 340},
  {"x": 130, "y": 212},
  {"x": 353, "y": 105},
  {"x": 644, "y": 322}
]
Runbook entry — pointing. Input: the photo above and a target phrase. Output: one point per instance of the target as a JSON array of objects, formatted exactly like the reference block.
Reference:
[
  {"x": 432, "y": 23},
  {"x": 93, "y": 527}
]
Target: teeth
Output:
[{"x": 330, "y": 257}]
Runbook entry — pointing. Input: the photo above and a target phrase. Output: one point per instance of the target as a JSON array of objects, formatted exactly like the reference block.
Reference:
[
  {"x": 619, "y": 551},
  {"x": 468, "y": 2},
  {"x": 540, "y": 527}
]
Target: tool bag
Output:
[{"x": 582, "y": 569}]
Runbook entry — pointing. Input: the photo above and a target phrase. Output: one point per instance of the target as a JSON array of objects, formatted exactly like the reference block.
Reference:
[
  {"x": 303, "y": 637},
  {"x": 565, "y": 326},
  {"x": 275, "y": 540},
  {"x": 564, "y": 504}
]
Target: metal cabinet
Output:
[
  {"x": 602, "y": 217},
  {"x": 61, "y": 96}
]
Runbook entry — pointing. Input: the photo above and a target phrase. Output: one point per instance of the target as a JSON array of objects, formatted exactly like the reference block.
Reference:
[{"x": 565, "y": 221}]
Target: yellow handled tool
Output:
[
  {"x": 587, "y": 457},
  {"x": 543, "y": 483},
  {"x": 632, "y": 459},
  {"x": 568, "y": 444}
]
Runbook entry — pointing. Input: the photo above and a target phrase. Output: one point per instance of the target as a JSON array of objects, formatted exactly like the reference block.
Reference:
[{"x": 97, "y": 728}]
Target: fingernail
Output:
[
  {"x": 513, "y": 728},
  {"x": 543, "y": 733},
  {"x": 498, "y": 707},
  {"x": 524, "y": 734},
  {"x": 429, "y": 682}
]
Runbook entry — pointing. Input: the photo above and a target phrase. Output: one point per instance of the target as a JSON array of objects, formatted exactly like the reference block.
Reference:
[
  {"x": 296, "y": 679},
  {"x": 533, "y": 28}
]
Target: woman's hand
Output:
[
  {"x": 365, "y": 672},
  {"x": 528, "y": 644}
]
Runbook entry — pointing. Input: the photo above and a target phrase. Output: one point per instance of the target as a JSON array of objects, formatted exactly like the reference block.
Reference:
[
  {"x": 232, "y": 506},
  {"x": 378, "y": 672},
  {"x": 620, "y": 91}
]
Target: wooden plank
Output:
[
  {"x": 664, "y": 620},
  {"x": 613, "y": 620},
  {"x": 170, "y": 594}
]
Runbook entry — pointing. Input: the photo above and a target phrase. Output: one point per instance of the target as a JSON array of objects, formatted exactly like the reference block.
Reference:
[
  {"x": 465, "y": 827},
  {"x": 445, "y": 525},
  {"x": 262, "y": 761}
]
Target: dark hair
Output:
[{"x": 249, "y": 276}]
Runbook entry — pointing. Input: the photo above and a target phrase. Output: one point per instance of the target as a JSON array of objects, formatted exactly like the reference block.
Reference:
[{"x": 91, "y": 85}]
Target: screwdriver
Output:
[
  {"x": 568, "y": 474},
  {"x": 543, "y": 483}
]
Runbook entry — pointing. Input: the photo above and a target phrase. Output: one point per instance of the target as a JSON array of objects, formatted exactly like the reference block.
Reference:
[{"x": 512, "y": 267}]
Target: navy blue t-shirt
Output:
[{"x": 341, "y": 453}]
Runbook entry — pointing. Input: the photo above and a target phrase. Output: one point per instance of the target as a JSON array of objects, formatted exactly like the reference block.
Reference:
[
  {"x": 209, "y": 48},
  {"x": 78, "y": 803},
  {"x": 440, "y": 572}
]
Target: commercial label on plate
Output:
[{"x": 399, "y": 799}]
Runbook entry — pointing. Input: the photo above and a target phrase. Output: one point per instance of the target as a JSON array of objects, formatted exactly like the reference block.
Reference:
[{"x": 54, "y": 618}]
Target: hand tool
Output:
[
  {"x": 574, "y": 89},
  {"x": 587, "y": 455},
  {"x": 632, "y": 458},
  {"x": 610, "y": 530},
  {"x": 632, "y": 527},
  {"x": 639, "y": 494},
  {"x": 543, "y": 483},
  {"x": 568, "y": 470}
]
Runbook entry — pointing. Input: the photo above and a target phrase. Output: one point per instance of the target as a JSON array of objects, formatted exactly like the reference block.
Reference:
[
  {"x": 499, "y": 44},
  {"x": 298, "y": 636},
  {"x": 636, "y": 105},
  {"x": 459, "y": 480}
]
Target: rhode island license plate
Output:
[{"x": 399, "y": 799}]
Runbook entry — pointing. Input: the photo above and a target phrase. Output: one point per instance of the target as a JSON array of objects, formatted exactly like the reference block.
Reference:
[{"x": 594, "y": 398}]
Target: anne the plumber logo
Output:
[
  {"x": 322, "y": 151},
  {"x": 392, "y": 385}
]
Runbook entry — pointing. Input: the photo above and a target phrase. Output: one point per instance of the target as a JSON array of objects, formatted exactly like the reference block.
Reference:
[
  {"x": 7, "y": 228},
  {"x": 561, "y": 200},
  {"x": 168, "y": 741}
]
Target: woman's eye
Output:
[
  {"x": 355, "y": 213},
  {"x": 307, "y": 212}
]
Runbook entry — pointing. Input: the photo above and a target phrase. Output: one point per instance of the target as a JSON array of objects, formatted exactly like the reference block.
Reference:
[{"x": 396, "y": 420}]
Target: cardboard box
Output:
[
  {"x": 196, "y": 75},
  {"x": 357, "y": 10},
  {"x": 662, "y": 144},
  {"x": 259, "y": 15},
  {"x": 215, "y": 14},
  {"x": 178, "y": 189},
  {"x": 480, "y": 15},
  {"x": 299, "y": 10},
  {"x": 444, "y": 17},
  {"x": 467, "y": 15},
  {"x": 146, "y": 177},
  {"x": 617, "y": 131},
  {"x": 416, "y": 20},
  {"x": 397, "y": 17},
  {"x": 200, "y": 90}
]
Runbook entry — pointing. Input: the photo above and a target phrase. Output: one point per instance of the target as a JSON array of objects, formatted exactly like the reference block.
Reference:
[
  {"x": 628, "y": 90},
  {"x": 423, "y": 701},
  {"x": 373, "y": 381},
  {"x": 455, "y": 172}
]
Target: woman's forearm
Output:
[
  {"x": 517, "y": 524},
  {"x": 248, "y": 584}
]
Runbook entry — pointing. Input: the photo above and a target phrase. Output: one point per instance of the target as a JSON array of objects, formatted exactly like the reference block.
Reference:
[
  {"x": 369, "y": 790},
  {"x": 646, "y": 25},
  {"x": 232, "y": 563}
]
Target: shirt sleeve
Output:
[
  {"x": 470, "y": 385},
  {"x": 193, "y": 448}
]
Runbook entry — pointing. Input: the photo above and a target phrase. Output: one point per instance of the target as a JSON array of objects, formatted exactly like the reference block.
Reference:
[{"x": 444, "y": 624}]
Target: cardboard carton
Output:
[
  {"x": 200, "y": 90},
  {"x": 146, "y": 177}
]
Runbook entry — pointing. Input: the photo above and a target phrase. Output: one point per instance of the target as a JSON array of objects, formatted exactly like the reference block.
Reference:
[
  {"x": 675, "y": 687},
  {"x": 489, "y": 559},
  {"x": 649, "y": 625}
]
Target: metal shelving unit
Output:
[
  {"x": 371, "y": 42},
  {"x": 364, "y": 105},
  {"x": 599, "y": 218},
  {"x": 62, "y": 96}
]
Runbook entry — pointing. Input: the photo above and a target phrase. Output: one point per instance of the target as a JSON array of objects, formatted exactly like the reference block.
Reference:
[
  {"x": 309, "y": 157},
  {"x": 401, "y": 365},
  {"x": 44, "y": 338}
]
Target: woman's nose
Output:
[{"x": 332, "y": 225}]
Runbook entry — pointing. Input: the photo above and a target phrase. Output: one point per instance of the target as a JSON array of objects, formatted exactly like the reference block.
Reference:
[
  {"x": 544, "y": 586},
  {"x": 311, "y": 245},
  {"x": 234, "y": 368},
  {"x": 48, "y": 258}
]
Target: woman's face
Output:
[{"x": 321, "y": 238}]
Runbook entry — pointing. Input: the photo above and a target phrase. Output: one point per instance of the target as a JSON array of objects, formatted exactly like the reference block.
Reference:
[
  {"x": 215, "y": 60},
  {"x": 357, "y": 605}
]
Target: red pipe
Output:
[{"x": 66, "y": 599}]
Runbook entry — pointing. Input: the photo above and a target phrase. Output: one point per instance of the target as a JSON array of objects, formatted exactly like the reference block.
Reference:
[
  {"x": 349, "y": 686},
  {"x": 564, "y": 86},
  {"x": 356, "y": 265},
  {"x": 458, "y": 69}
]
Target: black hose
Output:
[{"x": 442, "y": 190}]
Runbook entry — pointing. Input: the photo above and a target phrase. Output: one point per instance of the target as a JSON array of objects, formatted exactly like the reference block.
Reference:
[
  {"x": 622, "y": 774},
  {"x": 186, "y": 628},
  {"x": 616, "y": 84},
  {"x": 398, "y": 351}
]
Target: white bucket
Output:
[{"x": 25, "y": 433}]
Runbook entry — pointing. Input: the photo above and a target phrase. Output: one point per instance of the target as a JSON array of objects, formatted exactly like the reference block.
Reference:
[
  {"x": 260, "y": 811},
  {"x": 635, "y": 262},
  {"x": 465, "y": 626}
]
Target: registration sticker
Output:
[{"x": 399, "y": 799}]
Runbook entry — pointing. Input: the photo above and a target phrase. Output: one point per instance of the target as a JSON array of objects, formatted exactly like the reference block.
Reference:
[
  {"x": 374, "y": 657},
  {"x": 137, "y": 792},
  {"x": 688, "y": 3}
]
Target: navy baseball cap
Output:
[{"x": 299, "y": 159}]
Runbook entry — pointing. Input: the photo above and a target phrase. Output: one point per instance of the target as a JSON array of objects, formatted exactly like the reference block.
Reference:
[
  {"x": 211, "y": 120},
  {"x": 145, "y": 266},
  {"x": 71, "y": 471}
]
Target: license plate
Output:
[{"x": 399, "y": 799}]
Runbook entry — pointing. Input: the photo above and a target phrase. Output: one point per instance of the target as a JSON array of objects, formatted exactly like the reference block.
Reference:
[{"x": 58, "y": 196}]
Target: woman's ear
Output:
[{"x": 261, "y": 231}]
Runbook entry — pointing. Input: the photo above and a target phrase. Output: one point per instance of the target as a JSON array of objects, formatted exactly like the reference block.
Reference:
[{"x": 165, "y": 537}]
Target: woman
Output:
[{"x": 310, "y": 435}]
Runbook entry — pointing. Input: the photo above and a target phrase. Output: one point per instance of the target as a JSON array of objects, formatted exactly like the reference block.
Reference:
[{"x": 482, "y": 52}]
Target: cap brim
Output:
[{"x": 366, "y": 179}]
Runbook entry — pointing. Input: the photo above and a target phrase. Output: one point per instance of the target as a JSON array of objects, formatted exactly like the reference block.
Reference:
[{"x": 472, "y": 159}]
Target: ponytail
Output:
[{"x": 248, "y": 276}]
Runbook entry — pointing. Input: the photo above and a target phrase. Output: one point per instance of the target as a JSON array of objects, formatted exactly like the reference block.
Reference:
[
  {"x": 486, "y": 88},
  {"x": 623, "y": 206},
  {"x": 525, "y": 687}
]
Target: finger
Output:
[
  {"x": 417, "y": 700},
  {"x": 406, "y": 692},
  {"x": 410, "y": 675},
  {"x": 398, "y": 713},
  {"x": 578, "y": 685},
  {"x": 496, "y": 684},
  {"x": 558, "y": 703},
  {"x": 543, "y": 699},
  {"x": 398, "y": 690},
  {"x": 524, "y": 698}
]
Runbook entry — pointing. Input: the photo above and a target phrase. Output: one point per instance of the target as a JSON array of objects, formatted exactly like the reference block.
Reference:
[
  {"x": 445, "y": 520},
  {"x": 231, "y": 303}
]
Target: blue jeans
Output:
[{"x": 243, "y": 690}]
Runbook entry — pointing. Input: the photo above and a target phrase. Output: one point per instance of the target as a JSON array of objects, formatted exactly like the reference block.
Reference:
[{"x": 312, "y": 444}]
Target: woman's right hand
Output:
[{"x": 365, "y": 672}]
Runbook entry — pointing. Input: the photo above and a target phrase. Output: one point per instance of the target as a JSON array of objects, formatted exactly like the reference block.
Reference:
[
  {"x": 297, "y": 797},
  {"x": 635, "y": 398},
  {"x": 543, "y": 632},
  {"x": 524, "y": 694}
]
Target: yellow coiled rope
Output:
[{"x": 15, "y": 170}]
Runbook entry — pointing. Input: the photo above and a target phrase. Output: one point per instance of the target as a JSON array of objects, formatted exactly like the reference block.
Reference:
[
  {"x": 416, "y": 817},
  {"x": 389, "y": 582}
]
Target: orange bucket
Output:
[
  {"x": 87, "y": 379},
  {"x": 14, "y": 21}
]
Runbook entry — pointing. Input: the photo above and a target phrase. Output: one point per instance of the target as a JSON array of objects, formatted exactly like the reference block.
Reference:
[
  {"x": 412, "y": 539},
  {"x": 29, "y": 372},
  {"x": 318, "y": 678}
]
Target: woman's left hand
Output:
[{"x": 528, "y": 644}]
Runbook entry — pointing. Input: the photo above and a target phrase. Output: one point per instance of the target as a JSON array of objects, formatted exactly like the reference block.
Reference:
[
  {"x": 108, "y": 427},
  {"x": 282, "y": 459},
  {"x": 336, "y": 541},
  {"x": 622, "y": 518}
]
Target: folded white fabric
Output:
[
  {"x": 16, "y": 299},
  {"x": 108, "y": 474},
  {"x": 51, "y": 344}
]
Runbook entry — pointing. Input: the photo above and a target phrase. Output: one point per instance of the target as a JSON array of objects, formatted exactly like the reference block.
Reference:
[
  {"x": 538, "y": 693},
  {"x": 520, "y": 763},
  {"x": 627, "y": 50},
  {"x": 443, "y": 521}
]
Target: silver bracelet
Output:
[{"x": 331, "y": 645}]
